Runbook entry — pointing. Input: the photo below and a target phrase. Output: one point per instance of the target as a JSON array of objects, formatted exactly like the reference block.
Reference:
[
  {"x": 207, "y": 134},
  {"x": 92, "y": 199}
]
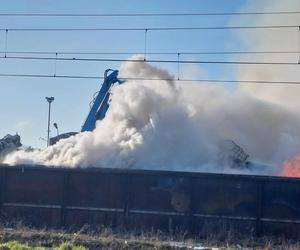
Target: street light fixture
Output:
[
  {"x": 49, "y": 100},
  {"x": 56, "y": 127}
]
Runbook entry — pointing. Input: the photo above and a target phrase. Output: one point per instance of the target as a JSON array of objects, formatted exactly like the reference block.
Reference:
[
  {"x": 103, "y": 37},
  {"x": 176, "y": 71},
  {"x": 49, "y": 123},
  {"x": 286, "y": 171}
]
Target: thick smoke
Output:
[
  {"x": 283, "y": 95},
  {"x": 272, "y": 40},
  {"x": 164, "y": 125},
  {"x": 148, "y": 125}
]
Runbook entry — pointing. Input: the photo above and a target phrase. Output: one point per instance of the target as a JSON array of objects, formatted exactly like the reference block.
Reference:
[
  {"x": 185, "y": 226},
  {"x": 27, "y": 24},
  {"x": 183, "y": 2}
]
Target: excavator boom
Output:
[{"x": 100, "y": 103}]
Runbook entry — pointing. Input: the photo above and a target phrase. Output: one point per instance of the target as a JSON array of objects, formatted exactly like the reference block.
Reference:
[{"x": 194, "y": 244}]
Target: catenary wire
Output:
[
  {"x": 149, "y": 53},
  {"x": 142, "y": 60},
  {"x": 147, "y": 14},
  {"x": 154, "y": 28},
  {"x": 149, "y": 79}
]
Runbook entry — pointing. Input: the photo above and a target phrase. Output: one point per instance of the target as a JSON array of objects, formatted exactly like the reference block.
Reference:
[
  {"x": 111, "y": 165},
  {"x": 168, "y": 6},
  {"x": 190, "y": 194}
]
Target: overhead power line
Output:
[
  {"x": 154, "y": 28},
  {"x": 142, "y": 60},
  {"x": 146, "y": 14},
  {"x": 150, "y": 79},
  {"x": 148, "y": 53}
]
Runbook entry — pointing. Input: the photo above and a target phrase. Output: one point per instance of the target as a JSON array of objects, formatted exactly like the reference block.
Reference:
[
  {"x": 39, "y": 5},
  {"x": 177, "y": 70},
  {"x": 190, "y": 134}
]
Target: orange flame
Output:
[{"x": 291, "y": 168}]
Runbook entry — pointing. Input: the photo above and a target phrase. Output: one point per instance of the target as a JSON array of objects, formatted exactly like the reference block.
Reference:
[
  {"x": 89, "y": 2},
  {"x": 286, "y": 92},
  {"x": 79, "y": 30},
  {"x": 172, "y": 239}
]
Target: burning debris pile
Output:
[{"x": 291, "y": 168}]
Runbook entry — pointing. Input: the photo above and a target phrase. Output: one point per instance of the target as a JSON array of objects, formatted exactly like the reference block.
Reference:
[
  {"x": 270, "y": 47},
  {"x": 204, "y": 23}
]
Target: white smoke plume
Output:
[
  {"x": 148, "y": 125},
  {"x": 165, "y": 125},
  {"x": 272, "y": 40}
]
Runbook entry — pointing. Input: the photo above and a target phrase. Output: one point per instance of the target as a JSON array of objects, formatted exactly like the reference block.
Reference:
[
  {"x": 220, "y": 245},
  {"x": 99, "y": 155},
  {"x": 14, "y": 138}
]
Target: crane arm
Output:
[{"x": 101, "y": 102}]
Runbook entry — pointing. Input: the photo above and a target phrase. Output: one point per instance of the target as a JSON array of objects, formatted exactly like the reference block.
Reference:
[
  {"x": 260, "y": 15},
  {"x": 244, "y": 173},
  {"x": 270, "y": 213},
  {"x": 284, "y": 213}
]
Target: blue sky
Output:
[{"x": 23, "y": 107}]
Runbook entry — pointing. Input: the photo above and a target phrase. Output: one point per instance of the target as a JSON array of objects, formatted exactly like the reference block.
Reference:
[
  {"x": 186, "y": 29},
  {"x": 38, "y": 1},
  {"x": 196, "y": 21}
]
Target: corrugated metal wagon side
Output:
[{"x": 198, "y": 203}]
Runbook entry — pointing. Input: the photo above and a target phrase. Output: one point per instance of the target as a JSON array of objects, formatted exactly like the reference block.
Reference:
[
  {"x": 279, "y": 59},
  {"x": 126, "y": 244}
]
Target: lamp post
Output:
[
  {"x": 56, "y": 127},
  {"x": 49, "y": 100}
]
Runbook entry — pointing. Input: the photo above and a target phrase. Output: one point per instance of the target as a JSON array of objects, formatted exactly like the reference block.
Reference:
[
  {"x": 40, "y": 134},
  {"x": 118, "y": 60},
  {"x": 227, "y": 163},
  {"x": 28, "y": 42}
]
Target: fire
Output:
[{"x": 291, "y": 168}]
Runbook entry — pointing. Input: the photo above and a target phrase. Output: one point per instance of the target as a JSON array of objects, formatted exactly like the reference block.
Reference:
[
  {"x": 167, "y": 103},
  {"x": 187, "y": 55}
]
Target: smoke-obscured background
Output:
[{"x": 169, "y": 125}]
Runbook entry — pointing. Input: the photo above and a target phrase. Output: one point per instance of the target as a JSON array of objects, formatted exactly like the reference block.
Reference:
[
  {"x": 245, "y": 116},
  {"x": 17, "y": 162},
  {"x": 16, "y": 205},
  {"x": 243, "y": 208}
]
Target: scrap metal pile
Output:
[
  {"x": 9, "y": 143},
  {"x": 54, "y": 140}
]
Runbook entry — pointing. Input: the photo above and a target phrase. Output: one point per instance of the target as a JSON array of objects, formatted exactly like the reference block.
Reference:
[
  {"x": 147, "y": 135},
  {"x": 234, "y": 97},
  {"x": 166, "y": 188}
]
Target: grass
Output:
[
  {"x": 22, "y": 238},
  {"x": 15, "y": 245}
]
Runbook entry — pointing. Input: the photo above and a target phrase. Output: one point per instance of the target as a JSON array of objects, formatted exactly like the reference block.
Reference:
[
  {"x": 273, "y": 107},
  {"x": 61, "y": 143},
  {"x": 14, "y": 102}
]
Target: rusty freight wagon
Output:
[{"x": 145, "y": 199}]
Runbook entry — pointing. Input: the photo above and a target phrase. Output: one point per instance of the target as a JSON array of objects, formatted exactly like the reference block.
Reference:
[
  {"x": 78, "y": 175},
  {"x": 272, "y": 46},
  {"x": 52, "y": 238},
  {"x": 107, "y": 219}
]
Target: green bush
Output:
[
  {"x": 69, "y": 246},
  {"x": 14, "y": 245}
]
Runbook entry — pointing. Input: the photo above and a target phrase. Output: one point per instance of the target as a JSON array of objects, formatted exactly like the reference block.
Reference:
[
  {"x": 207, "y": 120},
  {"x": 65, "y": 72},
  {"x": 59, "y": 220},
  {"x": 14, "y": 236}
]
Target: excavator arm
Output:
[{"x": 100, "y": 103}]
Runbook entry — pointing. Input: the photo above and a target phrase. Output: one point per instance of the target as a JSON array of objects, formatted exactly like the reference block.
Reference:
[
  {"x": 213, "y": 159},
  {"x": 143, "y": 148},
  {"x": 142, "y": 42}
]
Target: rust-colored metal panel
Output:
[
  {"x": 78, "y": 218},
  {"x": 100, "y": 190},
  {"x": 32, "y": 186},
  {"x": 159, "y": 193},
  {"x": 31, "y": 216},
  {"x": 227, "y": 197},
  {"x": 281, "y": 200},
  {"x": 145, "y": 199}
]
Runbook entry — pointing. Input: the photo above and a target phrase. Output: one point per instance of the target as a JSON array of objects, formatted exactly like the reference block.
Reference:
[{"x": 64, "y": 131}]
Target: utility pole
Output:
[{"x": 49, "y": 100}]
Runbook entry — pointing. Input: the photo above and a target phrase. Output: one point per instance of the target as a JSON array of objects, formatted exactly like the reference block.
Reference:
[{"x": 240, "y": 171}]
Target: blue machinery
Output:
[{"x": 100, "y": 103}]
